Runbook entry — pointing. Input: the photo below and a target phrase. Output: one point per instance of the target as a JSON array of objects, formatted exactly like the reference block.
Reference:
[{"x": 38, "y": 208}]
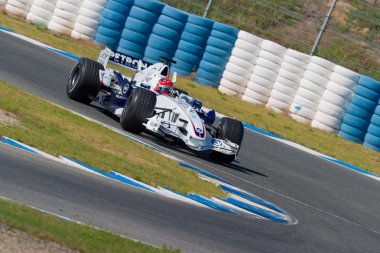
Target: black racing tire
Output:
[
  {"x": 232, "y": 130},
  {"x": 139, "y": 106},
  {"x": 84, "y": 83}
]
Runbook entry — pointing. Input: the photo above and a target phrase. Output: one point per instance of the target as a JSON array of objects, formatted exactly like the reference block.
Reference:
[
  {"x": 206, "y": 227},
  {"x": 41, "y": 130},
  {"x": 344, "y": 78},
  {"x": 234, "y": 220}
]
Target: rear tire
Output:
[
  {"x": 139, "y": 106},
  {"x": 231, "y": 130},
  {"x": 84, "y": 83}
]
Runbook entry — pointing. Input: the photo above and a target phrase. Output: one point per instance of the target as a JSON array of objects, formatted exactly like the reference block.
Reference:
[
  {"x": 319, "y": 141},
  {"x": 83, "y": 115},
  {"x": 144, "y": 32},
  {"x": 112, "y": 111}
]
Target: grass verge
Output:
[
  {"x": 59, "y": 132},
  {"x": 79, "y": 237},
  {"x": 258, "y": 116}
]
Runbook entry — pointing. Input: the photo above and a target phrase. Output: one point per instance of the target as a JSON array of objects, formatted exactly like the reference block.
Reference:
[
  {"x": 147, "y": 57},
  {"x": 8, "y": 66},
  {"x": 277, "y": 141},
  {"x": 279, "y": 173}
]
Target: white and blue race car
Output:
[{"x": 140, "y": 106}]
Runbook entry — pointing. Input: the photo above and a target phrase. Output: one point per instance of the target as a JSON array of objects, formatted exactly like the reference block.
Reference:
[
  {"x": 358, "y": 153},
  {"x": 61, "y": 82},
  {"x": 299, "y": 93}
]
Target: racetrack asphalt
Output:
[{"x": 337, "y": 210}]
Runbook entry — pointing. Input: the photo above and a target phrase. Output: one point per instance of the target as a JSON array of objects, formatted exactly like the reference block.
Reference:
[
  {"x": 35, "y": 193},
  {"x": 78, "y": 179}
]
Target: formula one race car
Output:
[{"x": 148, "y": 101}]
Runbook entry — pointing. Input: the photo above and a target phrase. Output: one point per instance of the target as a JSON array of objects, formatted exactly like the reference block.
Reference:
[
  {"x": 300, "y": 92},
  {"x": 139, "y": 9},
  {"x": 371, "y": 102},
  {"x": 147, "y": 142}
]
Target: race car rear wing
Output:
[{"x": 120, "y": 59}]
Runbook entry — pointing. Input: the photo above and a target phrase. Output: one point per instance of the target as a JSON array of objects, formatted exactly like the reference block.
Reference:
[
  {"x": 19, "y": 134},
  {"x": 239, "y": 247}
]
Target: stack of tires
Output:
[
  {"x": 216, "y": 55},
  {"x": 87, "y": 21},
  {"x": 192, "y": 44},
  {"x": 264, "y": 73},
  {"x": 41, "y": 11},
  {"x": 360, "y": 110},
  {"x": 64, "y": 16},
  {"x": 18, "y": 8},
  {"x": 166, "y": 33},
  {"x": 112, "y": 22},
  {"x": 311, "y": 89},
  {"x": 285, "y": 87},
  {"x": 240, "y": 65},
  {"x": 335, "y": 99},
  {"x": 138, "y": 27},
  {"x": 372, "y": 138}
]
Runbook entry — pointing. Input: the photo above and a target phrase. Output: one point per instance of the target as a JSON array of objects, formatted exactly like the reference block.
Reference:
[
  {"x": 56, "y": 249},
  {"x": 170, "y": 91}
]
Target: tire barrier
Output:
[
  {"x": 360, "y": 113},
  {"x": 64, "y": 16},
  {"x": 138, "y": 27},
  {"x": 312, "y": 87},
  {"x": 192, "y": 44},
  {"x": 335, "y": 99},
  {"x": 87, "y": 21},
  {"x": 285, "y": 87},
  {"x": 265, "y": 72},
  {"x": 166, "y": 33},
  {"x": 18, "y": 8},
  {"x": 240, "y": 65},
  {"x": 41, "y": 12},
  {"x": 112, "y": 22},
  {"x": 3, "y": 3},
  {"x": 372, "y": 138},
  {"x": 216, "y": 54}
]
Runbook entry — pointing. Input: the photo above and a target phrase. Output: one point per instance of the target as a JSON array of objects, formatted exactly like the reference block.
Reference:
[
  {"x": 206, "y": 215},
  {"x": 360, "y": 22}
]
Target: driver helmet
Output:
[{"x": 164, "y": 86}]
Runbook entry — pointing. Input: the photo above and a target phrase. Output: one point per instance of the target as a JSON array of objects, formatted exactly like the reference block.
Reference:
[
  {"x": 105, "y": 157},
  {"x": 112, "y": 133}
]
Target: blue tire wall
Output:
[
  {"x": 166, "y": 33},
  {"x": 192, "y": 44},
  {"x": 372, "y": 137},
  {"x": 217, "y": 53},
  {"x": 112, "y": 22},
  {"x": 361, "y": 112},
  {"x": 138, "y": 27}
]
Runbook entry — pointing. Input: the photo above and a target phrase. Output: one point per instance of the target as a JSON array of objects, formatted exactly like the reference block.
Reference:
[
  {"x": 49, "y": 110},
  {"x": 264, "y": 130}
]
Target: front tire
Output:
[
  {"x": 84, "y": 83},
  {"x": 232, "y": 130},
  {"x": 139, "y": 106}
]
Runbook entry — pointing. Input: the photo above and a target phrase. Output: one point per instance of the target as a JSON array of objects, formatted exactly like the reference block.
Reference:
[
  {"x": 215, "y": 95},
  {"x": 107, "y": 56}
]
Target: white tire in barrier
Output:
[
  {"x": 3, "y": 3},
  {"x": 90, "y": 14},
  {"x": 302, "y": 111},
  {"x": 256, "y": 87},
  {"x": 267, "y": 64},
  {"x": 87, "y": 21},
  {"x": 59, "y": 28},
  {"x": 295, "y": 62},
  {"x": 289, "y": 75},
  {"x": 40, "y": 12},
  {"x": 66, "y": 6},
  {"x": 62, "y": 22},
  {"x": 292, "y": 68},
  {"x": 250, "y": 38},
  {"x": 248, "y": 47},
  {"x": 90, "y": 32},
  {"x": 22, "y": 5},
  {"x": 331, "y": 109},
  {"x": 281, "y": 97},
  {"x": 232, "y": 86},
  {"x": 305, "y": 58},
  {"x": 66, "y": 15},
  {"x": 255, "y": 95},
  {"x": 227, "y": 91},
  {"x": 323, "y": 127},
  {"x": 45, "y": 4},
  {"x": 270, "y": 57},
  {"x": 287, "y": 82},
  {"x": 339, "y": 90},
  {"x": 319, "y": 70},
  {"x": 315, "y": 78},
  {"x": 265, "y": 73},
  {"x": 300, "y": 119},
  {"x": 312, "y": 86},
  {"x": 91, "y": 5},
  {"x": 347, "y": 73},
  {"x": 273, "y": 48},
  {"x": 328, "y": 120},
  {"x": 244, "y": 55},
  {"x": 241, "y": 63},
  {"x": 308, "y": 94},
  {"x": 323, "y": 62},
  {"x": 284, "y": 89},
  {"x": 335, "y": 99},
  {"x": 36, "y": 19},
  {"x": 276, "y": 105},
  {"x": 12, "y": 10},
  {"x": 261, "y": 81},
  {"x": 301, "y": 101},
  {"x": 343, "y": 81},
  {"x": 251, "y": 100},
  {"x": 235, "y": 69},
  {"x": 80, "y": 36},
  {"x": 241, "y": 81}
]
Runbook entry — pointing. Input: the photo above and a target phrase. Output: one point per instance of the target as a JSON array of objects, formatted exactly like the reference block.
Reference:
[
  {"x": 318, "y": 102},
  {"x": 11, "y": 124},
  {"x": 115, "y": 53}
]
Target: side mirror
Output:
[{"x": 174, "y": 78}]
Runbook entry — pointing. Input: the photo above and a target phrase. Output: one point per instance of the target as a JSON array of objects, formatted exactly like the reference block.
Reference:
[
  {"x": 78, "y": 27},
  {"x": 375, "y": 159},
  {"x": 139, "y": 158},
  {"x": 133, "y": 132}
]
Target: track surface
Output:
[{"x": 337, "y": 210}]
